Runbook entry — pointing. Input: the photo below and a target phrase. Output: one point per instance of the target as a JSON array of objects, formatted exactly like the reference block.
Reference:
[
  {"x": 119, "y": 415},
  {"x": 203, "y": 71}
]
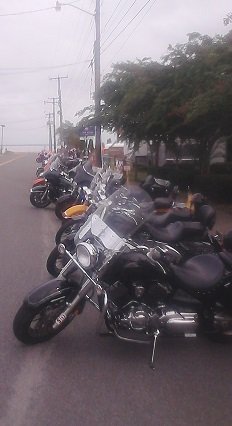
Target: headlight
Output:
[{"x": 86, "y": 255}]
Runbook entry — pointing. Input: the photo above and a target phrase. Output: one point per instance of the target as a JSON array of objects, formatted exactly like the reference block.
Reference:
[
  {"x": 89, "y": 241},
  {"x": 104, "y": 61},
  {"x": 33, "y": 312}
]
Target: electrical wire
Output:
[
  {"x": 23, "y": 121},
  {"x": 135, "y": 16},
  {"x": 123, "y": 17},
  {"x": 30, "y": 11},
  {"x": 26, "y": 12},
  {"x": 132, "y": 32},
  {"x": 28, "y": 129},
  {"x": 37, "y": 69},
  {"x": 113, "y": 13}
]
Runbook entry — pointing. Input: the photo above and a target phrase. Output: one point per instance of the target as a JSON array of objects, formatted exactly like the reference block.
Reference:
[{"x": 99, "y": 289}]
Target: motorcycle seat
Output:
[
  {"x": 226, "y": 258},
  {"x": 206, "y": 214},
  {"x": 163, "y": 203},
  {"x": 172, "y": 215},
  {"x": 175, "y": 232},
  {"x": 201, "y": 273}
]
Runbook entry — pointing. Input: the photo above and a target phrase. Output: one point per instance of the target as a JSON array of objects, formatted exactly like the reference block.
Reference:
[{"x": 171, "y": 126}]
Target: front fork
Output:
[
  {"x": 46, "y": 194},
  {"x": 83, "y": 293}
]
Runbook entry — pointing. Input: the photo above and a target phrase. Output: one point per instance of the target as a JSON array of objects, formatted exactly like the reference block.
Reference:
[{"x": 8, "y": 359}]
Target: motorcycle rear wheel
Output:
[
  {"x": 33, "y": 326},
  {"x": 37, "y": 201}
]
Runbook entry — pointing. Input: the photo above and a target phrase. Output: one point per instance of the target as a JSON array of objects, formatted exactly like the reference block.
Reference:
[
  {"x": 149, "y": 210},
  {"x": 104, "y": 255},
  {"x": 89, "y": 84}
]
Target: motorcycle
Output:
[
  {"x": 141, "y": 293},
  {"x": 51, "y": 186},
  {"x": 103, "y": 184},
  {"x": 83, "y": 176},
  {"x": 189, "y": 238}
]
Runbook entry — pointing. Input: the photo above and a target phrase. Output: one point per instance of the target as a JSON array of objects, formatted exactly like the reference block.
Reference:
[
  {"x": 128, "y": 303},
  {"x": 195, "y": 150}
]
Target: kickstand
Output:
[{"x": 156, "y": 334}]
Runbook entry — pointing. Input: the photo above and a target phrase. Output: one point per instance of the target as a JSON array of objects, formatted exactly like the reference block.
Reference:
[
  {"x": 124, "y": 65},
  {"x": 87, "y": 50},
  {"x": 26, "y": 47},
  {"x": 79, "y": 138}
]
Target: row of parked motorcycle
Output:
[{"x": 151, "y": 266}]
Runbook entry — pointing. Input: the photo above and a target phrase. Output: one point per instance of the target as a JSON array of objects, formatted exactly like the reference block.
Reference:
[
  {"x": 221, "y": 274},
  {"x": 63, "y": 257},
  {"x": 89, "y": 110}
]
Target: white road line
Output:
[{"x": 13, "y": 159}]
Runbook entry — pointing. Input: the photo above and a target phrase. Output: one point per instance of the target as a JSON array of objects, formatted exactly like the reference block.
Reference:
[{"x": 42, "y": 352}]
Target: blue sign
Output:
[{"x": 87, "y": 131}]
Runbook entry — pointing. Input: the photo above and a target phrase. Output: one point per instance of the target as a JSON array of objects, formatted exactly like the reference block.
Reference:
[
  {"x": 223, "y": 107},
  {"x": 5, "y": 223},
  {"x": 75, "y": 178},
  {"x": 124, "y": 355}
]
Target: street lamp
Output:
[
  {"x": 2, "y": 126},
  {"x": 97, "y": 66}
]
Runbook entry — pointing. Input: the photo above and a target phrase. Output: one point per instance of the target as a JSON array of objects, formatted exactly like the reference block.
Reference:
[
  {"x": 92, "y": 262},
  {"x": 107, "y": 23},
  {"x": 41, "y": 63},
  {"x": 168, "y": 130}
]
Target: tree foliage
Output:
[{"x": 187, "y": 95}]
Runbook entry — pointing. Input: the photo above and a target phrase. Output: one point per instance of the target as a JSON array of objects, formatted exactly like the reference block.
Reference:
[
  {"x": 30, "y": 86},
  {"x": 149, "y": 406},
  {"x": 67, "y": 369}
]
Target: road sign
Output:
[{"x": 87, "y": 131}]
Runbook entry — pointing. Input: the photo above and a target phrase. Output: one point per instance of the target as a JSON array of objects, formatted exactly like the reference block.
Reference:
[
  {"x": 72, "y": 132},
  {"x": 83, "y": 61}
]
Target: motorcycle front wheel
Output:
[
  {"x": 56, "y": 261},
  {"x": 68, "y": 226},
  {"x": 38, "y": 200},
  {"x": 39, "y": 171},
  {"x": 32, "y": 326}
]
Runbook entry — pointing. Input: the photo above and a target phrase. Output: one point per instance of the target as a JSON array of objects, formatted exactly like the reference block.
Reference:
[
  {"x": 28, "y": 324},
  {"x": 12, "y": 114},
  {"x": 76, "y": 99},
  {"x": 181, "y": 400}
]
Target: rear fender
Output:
[
  {"x": 46, "y": 292},
  {"x": 65, "y": 198},
  {"x": 38, "y": 182}
]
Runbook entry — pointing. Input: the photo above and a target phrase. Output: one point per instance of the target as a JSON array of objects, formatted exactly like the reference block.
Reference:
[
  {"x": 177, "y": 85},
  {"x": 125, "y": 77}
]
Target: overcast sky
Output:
[{"x": 37, "y": 46}]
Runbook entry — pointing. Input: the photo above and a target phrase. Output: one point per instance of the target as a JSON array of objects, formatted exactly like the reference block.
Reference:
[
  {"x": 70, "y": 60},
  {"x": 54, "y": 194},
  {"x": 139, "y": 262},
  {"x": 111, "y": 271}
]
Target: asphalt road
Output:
[{"x": 79, "y": 378}]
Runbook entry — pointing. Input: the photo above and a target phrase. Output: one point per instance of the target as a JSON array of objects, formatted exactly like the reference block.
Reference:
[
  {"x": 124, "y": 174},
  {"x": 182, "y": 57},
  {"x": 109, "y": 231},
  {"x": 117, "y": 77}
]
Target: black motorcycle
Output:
[
  {"x": 141, "y": 293},
  {"x": 83, "y": 175},
  {"x": 56, "y": 184},
  {"x": 186, "y": 230}
]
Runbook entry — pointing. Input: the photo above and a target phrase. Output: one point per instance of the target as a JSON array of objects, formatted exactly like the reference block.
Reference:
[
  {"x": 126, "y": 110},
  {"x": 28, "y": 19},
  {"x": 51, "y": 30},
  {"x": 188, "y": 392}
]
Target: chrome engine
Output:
[{"x": 141, "y": 318}]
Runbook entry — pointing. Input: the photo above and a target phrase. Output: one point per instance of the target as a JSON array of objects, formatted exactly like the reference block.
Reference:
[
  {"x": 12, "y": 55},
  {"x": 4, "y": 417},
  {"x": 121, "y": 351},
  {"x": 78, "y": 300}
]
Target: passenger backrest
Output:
[{"x": 206, "y": 215}]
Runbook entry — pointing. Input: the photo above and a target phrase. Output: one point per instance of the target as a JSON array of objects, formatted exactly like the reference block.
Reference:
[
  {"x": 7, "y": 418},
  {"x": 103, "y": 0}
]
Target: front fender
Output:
[
  {"x": 39, "y": 188},
  {"x": 46, "y": 292}
]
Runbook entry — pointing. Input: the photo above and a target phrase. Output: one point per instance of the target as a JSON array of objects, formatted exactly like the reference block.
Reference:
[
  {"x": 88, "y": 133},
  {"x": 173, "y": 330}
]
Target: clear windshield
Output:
[
  {"x": 55, "y": 164},
  {"x": 118, "y": 217}
]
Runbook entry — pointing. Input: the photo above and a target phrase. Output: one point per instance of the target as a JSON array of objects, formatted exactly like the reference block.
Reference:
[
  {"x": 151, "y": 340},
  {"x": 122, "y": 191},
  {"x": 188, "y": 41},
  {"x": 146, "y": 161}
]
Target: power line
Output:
[
  {"x": 133, "y": 31},
  {"x": 27, "y": 11},
  {"x": 106, "y": 24},
  {"x": 30, "y": 11},
  {"x": 140, "y": 10},
  {"x": 28, "y": 129},
  {"x": 15, "y": 71},
  {"x": 23, "y": 121},
  {"x": 20, "y": 103},
  {"x": 125, "y": 14}
]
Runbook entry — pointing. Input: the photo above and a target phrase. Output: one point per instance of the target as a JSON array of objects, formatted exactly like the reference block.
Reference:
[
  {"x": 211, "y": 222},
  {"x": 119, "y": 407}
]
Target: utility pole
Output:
[
  {"x": 53, "y": 102},
  {"x": 49, "y": 123},
  {"x": 97, "y": 67},
  {"x": 2, "y": 126},
  {"x": 58, "y": 78}
]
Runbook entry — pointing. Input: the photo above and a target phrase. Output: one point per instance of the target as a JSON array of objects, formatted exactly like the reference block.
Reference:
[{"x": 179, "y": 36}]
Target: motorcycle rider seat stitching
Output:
[{"x": 201, "y": 273}]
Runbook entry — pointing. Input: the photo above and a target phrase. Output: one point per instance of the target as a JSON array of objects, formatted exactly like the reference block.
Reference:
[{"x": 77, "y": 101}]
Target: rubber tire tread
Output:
[
  {"x": 22, "y": 321},
  {"x": 39, "y": 206}
]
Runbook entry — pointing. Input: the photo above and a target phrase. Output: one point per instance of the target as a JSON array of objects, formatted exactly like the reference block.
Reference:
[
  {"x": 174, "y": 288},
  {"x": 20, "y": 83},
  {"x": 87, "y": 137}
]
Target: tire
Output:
[
  {"x": 39, "y": 171},
  {"x": 30, "y": 332},
  {"x": 36, "y": 200},
  {"x": 69, "y": 225},
  {"x": 60, "y": 208},
  {"x": 55, "y": 262}
]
